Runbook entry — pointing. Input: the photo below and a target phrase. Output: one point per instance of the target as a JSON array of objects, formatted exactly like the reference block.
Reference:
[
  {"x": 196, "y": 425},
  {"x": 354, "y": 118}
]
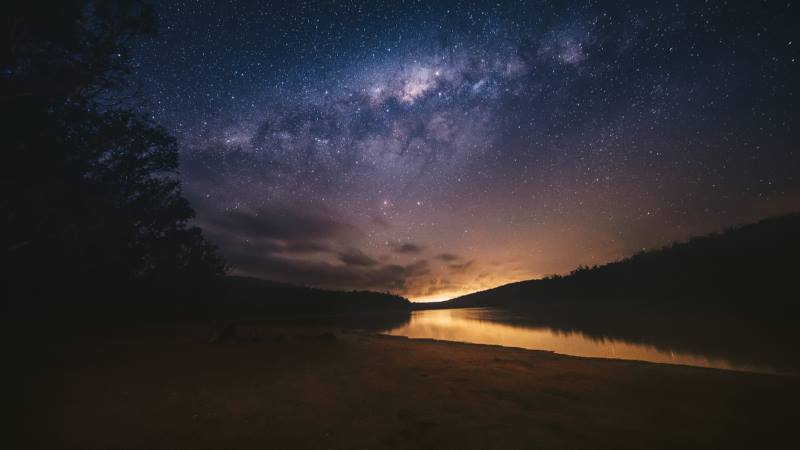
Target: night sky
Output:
[{"x": 436, "y": 148}]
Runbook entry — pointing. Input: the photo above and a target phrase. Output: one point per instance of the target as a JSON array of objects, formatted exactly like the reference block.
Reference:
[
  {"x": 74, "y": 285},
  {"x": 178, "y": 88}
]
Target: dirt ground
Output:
[{"x": 287, "y": 388}]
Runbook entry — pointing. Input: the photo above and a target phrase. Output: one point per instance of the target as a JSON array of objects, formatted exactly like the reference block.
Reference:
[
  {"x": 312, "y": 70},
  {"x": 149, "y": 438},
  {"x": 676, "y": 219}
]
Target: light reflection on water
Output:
[{"x": 483, "y": 326}]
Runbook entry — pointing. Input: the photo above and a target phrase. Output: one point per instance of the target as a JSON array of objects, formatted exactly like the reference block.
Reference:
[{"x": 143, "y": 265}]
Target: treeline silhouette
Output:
[
  {"x": 93, "y": 220},
  {"x": 748, "y": 268},
  {"x": 255, "y": 296},
  {"x": 253, "y": 299},
  {"x": 731, "y": 294}
]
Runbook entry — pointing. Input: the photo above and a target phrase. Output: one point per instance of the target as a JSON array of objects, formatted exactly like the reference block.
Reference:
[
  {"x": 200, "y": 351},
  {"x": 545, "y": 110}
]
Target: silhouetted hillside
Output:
[
  {"x": 256, "y": 300},
  {"x": 752, "y": 267},
  {"x": 258, "y": 296}
]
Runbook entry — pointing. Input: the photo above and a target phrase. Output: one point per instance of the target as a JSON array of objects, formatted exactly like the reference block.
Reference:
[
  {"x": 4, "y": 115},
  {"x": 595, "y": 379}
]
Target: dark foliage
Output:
[
  {"x": 254, "y": 296},
  {"x": 92, "y": 211},
  {"x": 258, "y": 300}
]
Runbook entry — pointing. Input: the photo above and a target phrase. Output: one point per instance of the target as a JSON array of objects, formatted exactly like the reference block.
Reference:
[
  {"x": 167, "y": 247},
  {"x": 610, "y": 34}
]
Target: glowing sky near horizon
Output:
[{"x": 437, "y": 148}]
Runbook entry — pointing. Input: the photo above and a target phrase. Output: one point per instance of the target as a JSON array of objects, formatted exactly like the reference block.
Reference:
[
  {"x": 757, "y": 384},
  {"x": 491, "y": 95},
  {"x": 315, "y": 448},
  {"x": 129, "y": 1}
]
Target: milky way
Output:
[{"x": 432, "y": 149}]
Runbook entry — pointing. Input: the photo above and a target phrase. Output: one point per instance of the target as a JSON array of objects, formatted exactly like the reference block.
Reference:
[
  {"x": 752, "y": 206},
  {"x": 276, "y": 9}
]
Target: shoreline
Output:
[
  {"x": 593, "y": 358},
  {"x": 313, "y": 387},
  {"x": 734, "y": 368}
]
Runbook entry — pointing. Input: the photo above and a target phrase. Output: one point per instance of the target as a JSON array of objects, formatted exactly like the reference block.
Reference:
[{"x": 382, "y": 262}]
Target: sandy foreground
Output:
[{"x": 286, "y": 388}]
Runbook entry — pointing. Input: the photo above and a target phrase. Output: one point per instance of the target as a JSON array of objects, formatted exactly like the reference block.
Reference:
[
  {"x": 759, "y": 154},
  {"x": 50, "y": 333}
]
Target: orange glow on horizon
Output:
[
  {"x": 473, "y": 288},
  {"x": 438, "y": 297}
]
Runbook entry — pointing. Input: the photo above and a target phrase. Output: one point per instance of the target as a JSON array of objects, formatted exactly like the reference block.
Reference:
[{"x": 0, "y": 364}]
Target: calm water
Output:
[{"x": 486, "y": 326}]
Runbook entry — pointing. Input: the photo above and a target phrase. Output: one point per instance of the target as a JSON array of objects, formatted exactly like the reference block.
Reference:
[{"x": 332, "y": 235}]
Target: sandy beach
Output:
[{"x": 284, "y": 388}]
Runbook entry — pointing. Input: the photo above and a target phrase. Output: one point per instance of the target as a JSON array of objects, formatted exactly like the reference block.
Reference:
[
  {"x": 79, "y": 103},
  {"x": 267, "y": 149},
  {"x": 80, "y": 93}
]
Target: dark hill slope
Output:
[
  {"x": 748, "y": 268},
  {"x": 258, "y": 301},
  {"x": 254, "y": 295}
]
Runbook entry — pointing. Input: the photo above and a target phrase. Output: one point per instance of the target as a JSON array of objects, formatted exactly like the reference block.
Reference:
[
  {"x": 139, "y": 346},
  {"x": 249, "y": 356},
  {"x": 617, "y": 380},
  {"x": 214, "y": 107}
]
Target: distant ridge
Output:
[
  {"x": 749, "y": 268},
  {"x": 255, "y": 296}
]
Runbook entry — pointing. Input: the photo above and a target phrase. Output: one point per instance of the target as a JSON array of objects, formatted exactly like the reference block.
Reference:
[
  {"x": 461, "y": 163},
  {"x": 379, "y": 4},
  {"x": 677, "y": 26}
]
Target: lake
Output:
[{"x": 502, "y": 327}]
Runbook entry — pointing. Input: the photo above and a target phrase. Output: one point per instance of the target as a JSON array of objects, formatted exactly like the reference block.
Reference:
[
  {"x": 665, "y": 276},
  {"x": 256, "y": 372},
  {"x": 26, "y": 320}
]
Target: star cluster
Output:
[{"x": 437, "y": 148}]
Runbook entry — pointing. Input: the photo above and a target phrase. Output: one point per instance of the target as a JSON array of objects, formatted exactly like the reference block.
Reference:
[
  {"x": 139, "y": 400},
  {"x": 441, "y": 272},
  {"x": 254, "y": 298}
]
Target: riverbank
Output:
[{"x": 289, "y": 387}]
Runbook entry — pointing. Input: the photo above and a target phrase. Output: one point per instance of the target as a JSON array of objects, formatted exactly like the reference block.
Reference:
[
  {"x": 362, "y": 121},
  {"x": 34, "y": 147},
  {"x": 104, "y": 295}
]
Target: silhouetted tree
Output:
[{"x": 91, "y": 199}]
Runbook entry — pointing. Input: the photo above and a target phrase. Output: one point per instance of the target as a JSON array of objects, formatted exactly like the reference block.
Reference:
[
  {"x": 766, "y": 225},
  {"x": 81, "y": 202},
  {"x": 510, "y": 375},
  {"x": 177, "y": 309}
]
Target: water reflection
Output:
[{"x": 501, "y": 327}]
